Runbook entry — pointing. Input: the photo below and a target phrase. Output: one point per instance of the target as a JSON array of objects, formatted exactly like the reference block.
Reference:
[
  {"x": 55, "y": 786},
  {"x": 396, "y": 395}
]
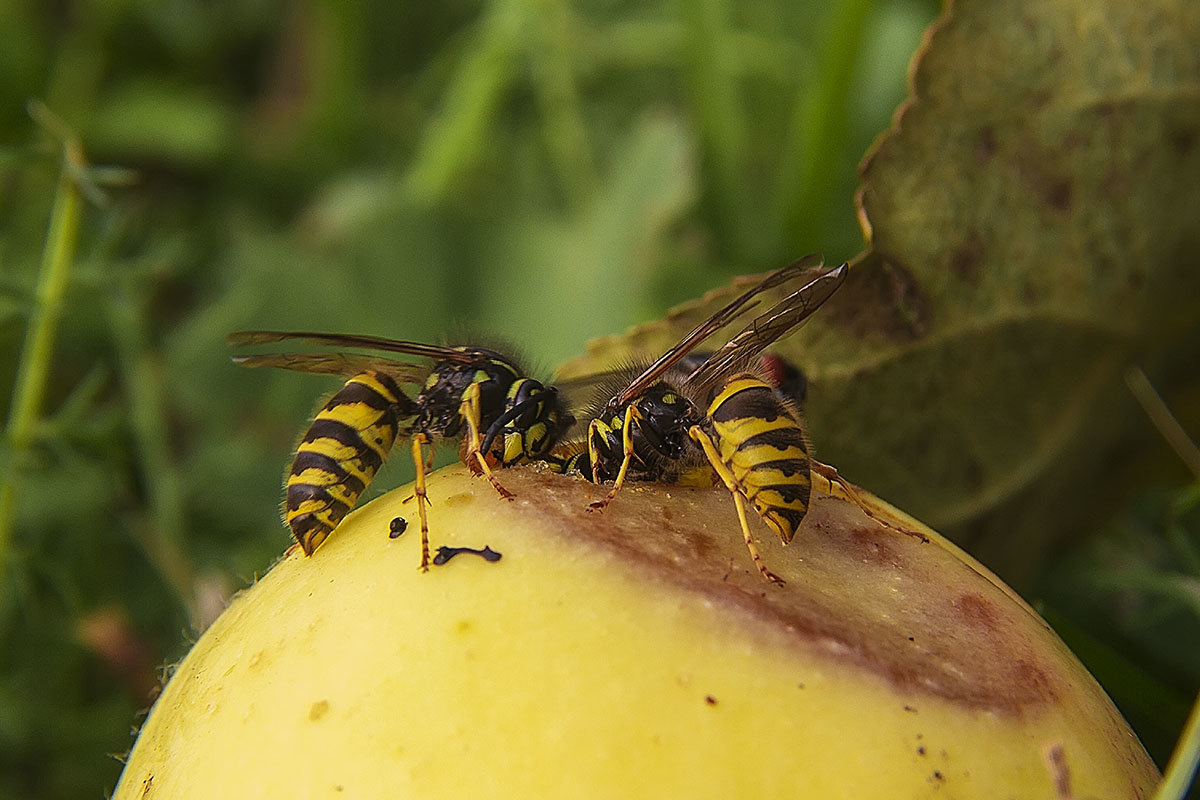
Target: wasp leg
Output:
[
  {"x": 830, "y": 473},
  {"x": 469, "y": 410},
  {"x": 418, "y": 456},
  {"x": 631, "y": 414},
  {"x": 710, "y": 451},
  {"x": 594, "y": 449}
]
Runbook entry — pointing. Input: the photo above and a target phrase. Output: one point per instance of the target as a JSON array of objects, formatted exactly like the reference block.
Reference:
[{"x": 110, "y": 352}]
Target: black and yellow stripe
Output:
[
  {"x": 760, "y": 441},
  {"x": 749, "y": 432},
  {"x": 340, "y": 454},
  {"x": 468, "y": 393}
]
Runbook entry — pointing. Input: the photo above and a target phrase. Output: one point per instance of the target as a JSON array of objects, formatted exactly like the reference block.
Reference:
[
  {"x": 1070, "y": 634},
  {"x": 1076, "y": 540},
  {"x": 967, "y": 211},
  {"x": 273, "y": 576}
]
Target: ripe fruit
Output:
[{"x": 635, "y": 653}]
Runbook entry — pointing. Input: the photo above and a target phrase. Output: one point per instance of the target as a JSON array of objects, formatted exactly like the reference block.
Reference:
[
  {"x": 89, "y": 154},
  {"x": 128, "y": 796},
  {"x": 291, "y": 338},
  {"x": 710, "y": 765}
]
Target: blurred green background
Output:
[{"x": 541, "y": 172}]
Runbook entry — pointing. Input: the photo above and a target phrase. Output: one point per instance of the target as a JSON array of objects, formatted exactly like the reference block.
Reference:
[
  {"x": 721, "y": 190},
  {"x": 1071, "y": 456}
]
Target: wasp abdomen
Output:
[
  {"x": 763, "y": 445},
  {"x": 340, "y": 454}
]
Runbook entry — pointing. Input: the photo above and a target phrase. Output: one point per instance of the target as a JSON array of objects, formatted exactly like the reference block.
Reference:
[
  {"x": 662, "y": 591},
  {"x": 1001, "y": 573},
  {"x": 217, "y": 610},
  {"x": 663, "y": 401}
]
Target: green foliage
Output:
[
  {"x": 1134, "y": 588},
  {"x": 1032, "y": 218},
  {"x": 542, "y": 171},
  {"x": 549, "y": 173}
]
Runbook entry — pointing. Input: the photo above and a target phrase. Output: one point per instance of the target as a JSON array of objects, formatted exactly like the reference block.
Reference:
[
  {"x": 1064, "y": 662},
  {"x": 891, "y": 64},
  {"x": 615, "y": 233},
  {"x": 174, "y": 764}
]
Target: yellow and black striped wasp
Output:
[
  {"x": 471, "y": 393},
  {"x": 677, "y": 414}
]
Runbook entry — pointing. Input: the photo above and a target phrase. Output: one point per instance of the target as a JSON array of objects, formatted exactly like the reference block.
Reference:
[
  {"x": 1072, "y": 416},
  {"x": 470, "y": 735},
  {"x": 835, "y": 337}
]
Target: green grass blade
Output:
[
  {"x": 1181, "y": 769},
  {"x": 457, "y": 135},
  {"x": 818, "y": 127},
  {"x": 549, "y": 50},
  {"x": 720, "y": 115}
]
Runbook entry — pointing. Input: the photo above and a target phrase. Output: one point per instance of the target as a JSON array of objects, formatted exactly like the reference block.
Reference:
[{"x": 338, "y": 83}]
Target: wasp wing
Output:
[
  {"x": 719, "y": 320},
  {"x": 585, "y": 394},
  {"x": 781, "y": 319},
  {"x": 345, "y": 364},
  {"x": 463, "y": 355}
]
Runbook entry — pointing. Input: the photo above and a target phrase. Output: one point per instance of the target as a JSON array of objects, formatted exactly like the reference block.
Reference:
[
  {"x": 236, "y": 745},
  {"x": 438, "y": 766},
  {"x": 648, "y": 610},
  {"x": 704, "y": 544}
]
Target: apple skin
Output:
[{"x": 630, "y": 653}]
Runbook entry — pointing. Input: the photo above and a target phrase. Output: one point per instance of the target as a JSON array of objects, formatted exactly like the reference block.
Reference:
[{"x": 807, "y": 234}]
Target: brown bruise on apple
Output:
[
  {"x": 865, "y": 608},
  {"x": 857, "y": 592}
]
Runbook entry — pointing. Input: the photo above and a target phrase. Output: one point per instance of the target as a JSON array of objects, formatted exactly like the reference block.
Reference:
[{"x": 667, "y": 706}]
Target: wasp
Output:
[
  {"x": 473, "y": 394},
  {"x": 729, "y": 412}
]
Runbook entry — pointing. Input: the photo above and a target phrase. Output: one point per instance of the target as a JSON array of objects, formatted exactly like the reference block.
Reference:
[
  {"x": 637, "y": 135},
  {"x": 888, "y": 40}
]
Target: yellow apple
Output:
[{"x": 630, "y": 653}]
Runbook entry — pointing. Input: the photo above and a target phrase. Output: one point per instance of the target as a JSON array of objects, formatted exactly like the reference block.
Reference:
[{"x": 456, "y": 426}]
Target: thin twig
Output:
[
  {"x": 1181, "y": 769},
  {"x": 1162, "y": 418}
]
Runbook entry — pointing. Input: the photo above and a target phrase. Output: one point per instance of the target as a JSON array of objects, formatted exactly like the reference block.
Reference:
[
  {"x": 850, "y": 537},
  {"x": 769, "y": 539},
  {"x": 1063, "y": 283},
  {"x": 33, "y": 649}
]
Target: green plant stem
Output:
[
  {"x": 1161, "y": 417},
  {"x": 33, "y": 369},
  {"x": 1181, "y": 769}
]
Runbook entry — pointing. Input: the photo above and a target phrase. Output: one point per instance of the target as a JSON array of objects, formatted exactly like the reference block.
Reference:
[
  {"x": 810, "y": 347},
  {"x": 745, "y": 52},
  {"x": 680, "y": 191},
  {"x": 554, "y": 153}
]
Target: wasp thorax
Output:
[
  {"x": 658, "y": 431},
  {"x": 666, "y": 416},
  {"x": 442, "y": 399}
]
